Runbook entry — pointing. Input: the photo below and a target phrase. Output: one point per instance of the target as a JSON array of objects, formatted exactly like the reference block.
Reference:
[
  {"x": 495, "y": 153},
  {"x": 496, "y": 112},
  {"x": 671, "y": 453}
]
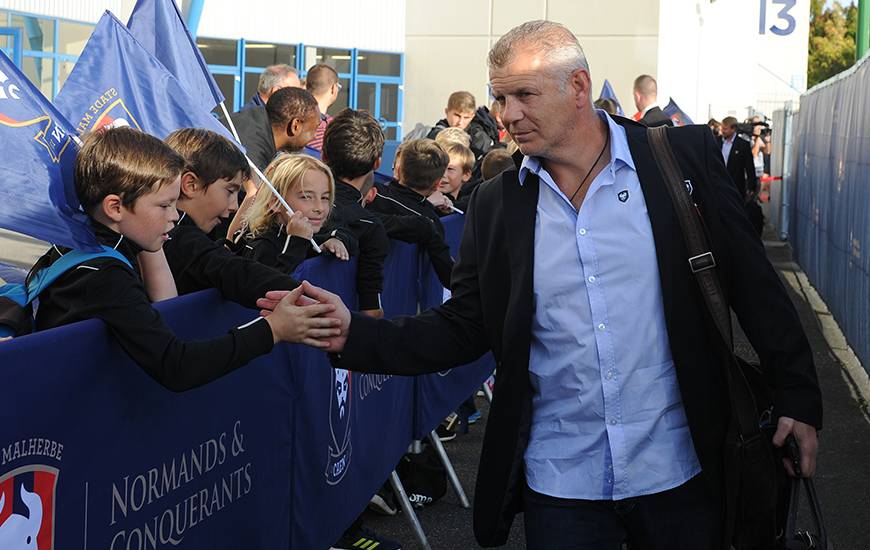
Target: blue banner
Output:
[
  {"x": 285, "y": 452},
  {"x": 37, "y": 192},
  {"x": 608, "y": 93},
  {"x": 677, "y": 115},
  {"x": 117, "y": 82},
  {"x": 158, "y": 26},
  {"x": 95, "y": 454}
]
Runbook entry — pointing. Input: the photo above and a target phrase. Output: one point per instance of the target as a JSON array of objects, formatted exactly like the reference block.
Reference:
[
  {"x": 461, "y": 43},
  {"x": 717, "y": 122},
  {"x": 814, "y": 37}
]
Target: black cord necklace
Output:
[{"x": 591, "y": 168}]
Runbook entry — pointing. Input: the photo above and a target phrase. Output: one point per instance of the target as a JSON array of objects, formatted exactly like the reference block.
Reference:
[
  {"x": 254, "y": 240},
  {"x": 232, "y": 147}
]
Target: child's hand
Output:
[
  {"x": 337, "y": 248},
  {"x": 298, "y": 225},
  {"x": 441, "y": 202},
  {"x": 303, "y": 324}
]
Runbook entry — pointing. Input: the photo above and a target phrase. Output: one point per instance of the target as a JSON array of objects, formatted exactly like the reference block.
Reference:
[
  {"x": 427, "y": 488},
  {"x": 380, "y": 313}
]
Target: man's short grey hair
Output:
[
  {"x": 273, "y": 76},
  {"x": 646, "y": 86},
  {"x": 564, "y": 53}
]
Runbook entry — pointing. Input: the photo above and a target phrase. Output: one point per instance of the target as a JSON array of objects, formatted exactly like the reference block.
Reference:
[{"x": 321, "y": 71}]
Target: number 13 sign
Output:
[{"x": 783, "y": 15}]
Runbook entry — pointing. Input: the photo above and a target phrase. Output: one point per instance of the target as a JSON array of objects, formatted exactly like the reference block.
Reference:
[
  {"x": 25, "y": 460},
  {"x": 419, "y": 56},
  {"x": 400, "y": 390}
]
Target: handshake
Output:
[{"x": 307, "y": 315}]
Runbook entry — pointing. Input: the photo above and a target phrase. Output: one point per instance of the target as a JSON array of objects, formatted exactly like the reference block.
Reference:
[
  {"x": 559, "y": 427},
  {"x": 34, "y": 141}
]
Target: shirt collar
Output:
[
  {"x": 645, "y": 111},
  {"x": 620, "y": 154}
]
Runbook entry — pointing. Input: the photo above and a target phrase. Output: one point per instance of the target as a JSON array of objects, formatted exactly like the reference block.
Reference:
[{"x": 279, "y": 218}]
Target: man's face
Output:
[
  {"x": 727, "y": 131},
  {"x": 219, "y": 200},
  {"x": 151, "y": 217},
  {"x": 301, "y": 132},
  {"x": 459, "y": 119},
  {"x": 453, "y": 178},
  {"x": 535, "y": 109}
]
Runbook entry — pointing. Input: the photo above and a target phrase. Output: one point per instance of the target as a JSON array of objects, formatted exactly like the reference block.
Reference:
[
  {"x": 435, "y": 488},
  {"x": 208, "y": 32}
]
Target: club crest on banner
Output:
[
  {"x": 27, "y": 506},
  {"x": 340, "y": 400},
  {"x": 15, "y": 113},
  {"x": 108, "y": 111}
]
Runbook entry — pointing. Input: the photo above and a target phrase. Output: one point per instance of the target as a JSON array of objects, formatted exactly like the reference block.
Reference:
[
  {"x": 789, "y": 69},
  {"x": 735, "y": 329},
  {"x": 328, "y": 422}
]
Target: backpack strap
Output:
[{"x": 72, "y": 259}]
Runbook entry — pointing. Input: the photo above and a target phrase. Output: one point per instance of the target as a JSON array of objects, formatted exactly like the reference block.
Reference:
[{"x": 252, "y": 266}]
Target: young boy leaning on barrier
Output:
[{"x": 128, "y": 182}]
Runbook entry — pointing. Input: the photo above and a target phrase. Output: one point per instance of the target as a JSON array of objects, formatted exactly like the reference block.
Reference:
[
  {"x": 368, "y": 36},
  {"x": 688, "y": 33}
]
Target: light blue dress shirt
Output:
[{"x": 607, "y": 417}]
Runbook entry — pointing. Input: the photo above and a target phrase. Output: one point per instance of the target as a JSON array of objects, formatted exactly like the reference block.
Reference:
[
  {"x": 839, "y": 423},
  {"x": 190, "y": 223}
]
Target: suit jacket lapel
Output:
[
  {"x": 733, "y": 150},
  {"x": 667, "y": 235},
  {"x": 520, "y": 204}
]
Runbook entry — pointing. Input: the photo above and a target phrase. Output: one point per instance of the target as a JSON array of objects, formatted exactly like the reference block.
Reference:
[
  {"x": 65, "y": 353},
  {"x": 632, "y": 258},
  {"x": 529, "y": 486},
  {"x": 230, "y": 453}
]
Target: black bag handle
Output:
[{"x": 791, "y": 537}]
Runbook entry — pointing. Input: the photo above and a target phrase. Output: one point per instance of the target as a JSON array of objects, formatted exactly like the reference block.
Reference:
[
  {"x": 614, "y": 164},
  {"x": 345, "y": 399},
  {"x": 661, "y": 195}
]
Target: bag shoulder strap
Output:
[
  {"x": 703, "y": 266},
  {"x": 68, "y": 261}
]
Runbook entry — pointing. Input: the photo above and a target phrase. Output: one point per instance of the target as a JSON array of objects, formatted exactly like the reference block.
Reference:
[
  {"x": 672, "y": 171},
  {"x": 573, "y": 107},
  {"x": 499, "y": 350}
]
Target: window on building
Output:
[
  {"x": 385, "y": 64},
  {"x": 259, "y": 55},
  {"x": 37, "y": 33},
  {"x": 338, "y": 59},
  {"x": 379, "y": 89},
  {"x": 72, "y": 37},
  {"x": 219, "y": 52}
]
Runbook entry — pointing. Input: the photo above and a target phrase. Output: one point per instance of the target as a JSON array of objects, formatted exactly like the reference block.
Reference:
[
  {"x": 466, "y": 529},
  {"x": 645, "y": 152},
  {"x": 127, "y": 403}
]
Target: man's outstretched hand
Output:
[{"x": 335, "y": 344}]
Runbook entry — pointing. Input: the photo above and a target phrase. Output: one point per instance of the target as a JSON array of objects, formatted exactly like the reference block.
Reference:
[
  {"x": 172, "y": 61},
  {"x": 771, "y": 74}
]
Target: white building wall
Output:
[
  {"x": 88, "y": 11},
  {"x": 370, "y": 25},
  {"x": 447, "y": 43},
  {"x": 714, "y": 61}
]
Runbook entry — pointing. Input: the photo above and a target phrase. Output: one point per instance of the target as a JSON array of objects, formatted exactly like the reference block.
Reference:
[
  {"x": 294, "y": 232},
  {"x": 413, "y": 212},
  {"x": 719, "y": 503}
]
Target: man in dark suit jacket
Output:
[
  {"x": 646, "y": 100},
  {"x": 497, "y": 305},
  {"x": 737, "y": 154},
  {"x": 286, "y": 123}
]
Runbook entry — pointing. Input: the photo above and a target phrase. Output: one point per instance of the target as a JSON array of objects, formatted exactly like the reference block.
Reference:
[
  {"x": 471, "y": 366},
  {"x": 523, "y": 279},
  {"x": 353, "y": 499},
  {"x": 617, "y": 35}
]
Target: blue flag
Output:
[
  {"x": 157, "y": 25},
  {"x": 37, "y": 192},
  {"x": 608, "y": 93},
  {"x": 116, "y": 82},
  {"x": 677, "y": 115}
]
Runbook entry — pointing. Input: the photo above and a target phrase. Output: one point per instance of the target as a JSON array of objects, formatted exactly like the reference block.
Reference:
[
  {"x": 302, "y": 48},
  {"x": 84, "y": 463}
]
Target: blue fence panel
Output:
[
  {"x": 831, "y": 198},
  {"x": 111, "y": 458},
  {"x": 351, "y": 428},
  {"x": 282, "y": 453}
]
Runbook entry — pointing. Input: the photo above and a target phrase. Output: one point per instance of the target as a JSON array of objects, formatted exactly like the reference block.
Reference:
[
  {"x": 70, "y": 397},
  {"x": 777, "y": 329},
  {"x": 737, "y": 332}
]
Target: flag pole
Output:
[{"x": 260, "y": 175}]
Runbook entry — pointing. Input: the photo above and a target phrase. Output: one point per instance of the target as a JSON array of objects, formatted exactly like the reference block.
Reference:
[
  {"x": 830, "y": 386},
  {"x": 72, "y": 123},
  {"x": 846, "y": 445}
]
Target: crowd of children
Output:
[{"x": 168, "y": 216}]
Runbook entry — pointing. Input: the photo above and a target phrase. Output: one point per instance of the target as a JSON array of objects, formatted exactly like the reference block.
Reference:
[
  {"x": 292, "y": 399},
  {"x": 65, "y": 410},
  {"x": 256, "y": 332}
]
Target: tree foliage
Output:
[{"x": 832, "y": 40}]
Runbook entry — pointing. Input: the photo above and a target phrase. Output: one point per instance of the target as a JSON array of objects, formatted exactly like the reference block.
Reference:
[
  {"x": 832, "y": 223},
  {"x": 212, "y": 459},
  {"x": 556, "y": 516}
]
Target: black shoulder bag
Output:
[{"x": 753, "y": 476}]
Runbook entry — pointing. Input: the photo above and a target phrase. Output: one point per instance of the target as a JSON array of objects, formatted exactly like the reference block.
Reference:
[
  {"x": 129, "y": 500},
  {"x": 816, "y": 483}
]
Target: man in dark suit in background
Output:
[
  {"x": 646, "y": 92},
  {"x": 737, "y": 154},
  {"x": 610, "y": 410}
]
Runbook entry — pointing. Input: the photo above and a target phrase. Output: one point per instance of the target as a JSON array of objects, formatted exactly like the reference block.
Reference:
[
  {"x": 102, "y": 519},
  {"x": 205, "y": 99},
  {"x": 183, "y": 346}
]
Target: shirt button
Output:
[
  {"x": 591, "y": 279},
  {"x": 582, "y": 232},
  {"x": 601, "y": 326},
  {"x": 609, "y": 374},
  {"x": 613, "y": 422}
]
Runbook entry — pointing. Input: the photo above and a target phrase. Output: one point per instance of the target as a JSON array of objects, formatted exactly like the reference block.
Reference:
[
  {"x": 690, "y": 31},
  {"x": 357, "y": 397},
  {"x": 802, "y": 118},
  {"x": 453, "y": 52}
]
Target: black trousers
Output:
[{"x": 683, "y": 518}]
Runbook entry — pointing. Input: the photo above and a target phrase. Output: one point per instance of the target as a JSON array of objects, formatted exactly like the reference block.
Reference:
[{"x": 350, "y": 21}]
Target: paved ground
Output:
[{"x": 843, "y": 478}]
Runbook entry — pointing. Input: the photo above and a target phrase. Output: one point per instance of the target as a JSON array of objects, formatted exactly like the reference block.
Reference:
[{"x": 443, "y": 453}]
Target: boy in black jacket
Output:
[
  {"x": 215, "y": 171},
  {"x": 352, "y": 147},
  {"x": 422, "y": 165},
  {"x": 128, "y": 183}
]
